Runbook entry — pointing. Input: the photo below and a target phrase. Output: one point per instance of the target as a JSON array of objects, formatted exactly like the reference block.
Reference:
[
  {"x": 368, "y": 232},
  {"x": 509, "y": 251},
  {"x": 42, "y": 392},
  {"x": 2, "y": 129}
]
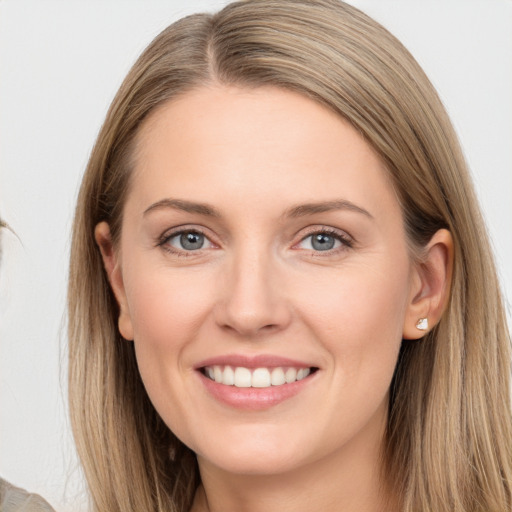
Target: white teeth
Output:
[
  {"x": 260, "y": 378},
  {"x": 217, "y": 374},
  {"x": 303, "y": 373},
  {"x": 277, "y": 377},
  {"x": 290, "y": 375},
  {"x": 241, "y": 377},
  {"x": 229, "y": 376}
]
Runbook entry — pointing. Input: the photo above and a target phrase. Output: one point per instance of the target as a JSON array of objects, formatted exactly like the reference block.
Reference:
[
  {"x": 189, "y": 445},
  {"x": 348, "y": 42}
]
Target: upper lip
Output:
[{"x": 258, "y": 361}]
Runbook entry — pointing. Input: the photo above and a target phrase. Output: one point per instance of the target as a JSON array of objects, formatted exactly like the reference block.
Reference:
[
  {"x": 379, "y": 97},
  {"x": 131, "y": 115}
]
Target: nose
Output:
[{"x": 253, "y": 298}]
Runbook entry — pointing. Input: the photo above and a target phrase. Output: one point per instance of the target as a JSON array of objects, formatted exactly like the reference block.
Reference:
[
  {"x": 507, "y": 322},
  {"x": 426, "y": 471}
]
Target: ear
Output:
[
  {"x": 430, "y": 286},
  {"x": 115, "y": 277}
]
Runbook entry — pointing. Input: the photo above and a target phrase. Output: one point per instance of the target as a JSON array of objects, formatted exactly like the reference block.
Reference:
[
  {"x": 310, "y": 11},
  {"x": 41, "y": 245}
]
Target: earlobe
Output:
[
  {"x": 431, "y": 287},
  {"x": 113, "y": 270}
]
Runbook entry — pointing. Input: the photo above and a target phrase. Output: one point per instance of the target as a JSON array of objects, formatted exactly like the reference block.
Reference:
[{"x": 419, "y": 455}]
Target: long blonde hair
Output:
[{"x": 448, "y": 443}]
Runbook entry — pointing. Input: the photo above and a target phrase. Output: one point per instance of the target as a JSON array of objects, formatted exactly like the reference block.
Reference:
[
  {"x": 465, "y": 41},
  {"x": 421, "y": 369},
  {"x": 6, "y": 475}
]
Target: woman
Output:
[{"x": 281, "y": 291}]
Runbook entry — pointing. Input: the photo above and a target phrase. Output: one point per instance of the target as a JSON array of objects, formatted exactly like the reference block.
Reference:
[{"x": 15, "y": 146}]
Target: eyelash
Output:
[
  {"x": 163, "y": 241},
  {"x": 345, "y": 240}
]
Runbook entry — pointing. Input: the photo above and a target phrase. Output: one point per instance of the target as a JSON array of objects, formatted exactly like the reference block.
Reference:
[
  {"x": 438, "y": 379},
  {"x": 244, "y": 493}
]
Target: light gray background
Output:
[{"x": 60, "y": 65}]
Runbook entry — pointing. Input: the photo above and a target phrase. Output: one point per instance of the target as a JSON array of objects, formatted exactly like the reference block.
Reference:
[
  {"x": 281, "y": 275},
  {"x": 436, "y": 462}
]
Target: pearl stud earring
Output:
[{"x": 422, "y": 324}]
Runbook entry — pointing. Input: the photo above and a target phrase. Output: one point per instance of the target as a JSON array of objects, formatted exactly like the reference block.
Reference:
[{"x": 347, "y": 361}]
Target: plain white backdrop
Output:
[{"x": 61, "y": 63}]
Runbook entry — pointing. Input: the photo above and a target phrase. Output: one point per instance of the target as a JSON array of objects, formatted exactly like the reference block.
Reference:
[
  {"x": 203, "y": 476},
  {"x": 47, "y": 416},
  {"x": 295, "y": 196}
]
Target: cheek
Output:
[
  {"x": 166, "y": 306},
  {"x": 358, "y": 315},
  {"x": 370, "y": 298},
  {"x": 358, "y": 322},
  {"x": 167, "y": 309}
]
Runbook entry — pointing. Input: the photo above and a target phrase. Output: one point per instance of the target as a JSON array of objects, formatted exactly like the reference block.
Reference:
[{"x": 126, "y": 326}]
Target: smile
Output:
[
  {"x": 255, "y": 382},
  {"x": 242, "y": 377}
]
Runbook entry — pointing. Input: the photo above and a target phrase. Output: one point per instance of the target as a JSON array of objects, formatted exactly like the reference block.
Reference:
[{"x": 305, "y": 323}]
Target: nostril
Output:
[
  {"x": 251, "y": 331},
  {"x": 269, "y": 327}
]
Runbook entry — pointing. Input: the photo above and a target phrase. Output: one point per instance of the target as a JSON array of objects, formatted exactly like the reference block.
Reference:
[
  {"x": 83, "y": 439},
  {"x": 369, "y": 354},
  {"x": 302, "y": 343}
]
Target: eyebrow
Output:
[
  {"x": 185, "y": 206},
  {"x": 300, "y": 210}
]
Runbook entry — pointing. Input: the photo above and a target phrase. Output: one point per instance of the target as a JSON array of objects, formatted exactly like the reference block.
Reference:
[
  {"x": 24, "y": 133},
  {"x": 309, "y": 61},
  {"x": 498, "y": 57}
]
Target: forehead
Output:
[{"x": 264, "y": 141}]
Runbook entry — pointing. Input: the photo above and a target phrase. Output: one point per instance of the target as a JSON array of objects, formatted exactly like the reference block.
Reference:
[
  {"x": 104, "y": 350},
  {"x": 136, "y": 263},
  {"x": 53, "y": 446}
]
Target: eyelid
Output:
[
  {"x": 347, "y": 241},
  {"x": 163, "y": 239},
  {"x": 178, "y": 236}
]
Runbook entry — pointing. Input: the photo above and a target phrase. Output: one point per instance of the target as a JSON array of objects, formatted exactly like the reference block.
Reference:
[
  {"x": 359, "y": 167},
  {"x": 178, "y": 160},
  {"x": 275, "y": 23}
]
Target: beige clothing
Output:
[{"x": 14, "y": 499}]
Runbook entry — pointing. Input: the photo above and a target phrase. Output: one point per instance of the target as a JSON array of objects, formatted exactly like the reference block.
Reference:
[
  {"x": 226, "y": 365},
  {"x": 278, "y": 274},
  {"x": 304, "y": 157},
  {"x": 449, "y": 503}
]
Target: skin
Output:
[{"x": 259, "y": 287}]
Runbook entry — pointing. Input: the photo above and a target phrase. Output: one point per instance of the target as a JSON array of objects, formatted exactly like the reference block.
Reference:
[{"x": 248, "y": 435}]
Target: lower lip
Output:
[{"x": 254, "y": 399}]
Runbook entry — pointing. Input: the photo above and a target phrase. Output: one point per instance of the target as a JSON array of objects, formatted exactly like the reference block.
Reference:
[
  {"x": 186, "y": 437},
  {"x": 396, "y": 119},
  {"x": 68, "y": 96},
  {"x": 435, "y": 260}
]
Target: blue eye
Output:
[
  {"x": 189, "y": 241},
  {"x": 323, "y": 241}
]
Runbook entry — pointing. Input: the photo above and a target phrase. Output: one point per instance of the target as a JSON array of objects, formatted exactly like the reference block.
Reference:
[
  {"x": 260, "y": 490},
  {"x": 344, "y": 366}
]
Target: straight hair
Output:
[{"x": 448, "y": 440}]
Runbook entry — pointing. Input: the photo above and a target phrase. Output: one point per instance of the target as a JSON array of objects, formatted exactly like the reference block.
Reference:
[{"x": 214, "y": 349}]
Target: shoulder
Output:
[{"x": 14, "y": 499}]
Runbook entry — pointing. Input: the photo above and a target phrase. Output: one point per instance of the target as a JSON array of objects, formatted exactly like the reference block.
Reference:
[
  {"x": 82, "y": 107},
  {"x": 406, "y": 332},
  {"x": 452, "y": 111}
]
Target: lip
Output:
[
  {"x": 254, "y": 399},
  {"x": 252, "y": 362}
]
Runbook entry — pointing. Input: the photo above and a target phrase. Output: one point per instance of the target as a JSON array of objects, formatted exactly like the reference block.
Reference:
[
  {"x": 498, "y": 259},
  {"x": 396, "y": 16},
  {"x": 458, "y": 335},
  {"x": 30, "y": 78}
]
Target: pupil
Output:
[
  {"x": 322, "y": 242},
  {"x": 191, "y": 241}
]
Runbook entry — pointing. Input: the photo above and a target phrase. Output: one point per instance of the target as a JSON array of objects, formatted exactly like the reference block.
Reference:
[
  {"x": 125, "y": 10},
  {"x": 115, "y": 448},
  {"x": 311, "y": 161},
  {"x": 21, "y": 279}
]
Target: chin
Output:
[
  {"x": 255, "y": 464},
  {"x": 255, "y": 455}
]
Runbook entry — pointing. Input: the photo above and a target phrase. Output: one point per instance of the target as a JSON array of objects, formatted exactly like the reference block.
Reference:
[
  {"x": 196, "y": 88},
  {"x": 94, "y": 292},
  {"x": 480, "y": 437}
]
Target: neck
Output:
[{"x": 348, "y": 480}]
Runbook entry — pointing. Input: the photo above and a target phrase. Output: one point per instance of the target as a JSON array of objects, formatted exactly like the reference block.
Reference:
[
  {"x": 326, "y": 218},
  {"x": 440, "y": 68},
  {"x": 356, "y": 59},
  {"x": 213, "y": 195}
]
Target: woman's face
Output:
[{"x": 264, "y": 276}]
